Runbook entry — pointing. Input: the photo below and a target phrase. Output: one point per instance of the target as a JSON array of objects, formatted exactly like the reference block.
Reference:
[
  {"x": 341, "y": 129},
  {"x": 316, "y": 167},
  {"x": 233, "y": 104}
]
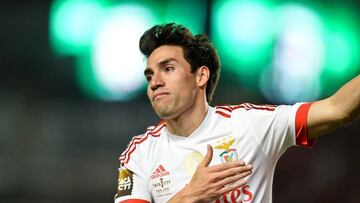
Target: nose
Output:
[{"x": 156, "y": 82}]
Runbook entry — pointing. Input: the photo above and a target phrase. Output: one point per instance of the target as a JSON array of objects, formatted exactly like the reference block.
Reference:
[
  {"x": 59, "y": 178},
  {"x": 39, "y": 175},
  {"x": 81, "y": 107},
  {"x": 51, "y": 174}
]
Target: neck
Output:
[{"x": 187, "y": 122}]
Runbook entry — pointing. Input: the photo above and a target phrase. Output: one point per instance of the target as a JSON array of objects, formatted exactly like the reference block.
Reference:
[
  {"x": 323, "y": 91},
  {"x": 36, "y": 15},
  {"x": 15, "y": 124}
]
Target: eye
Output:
[
  {"x": 168, "y": 68},
  {"x": 148, "y": 77}
]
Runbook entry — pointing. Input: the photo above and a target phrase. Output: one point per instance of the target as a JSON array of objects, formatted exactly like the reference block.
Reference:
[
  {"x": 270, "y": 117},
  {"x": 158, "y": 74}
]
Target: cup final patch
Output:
[{"x": 125, "y": 182}]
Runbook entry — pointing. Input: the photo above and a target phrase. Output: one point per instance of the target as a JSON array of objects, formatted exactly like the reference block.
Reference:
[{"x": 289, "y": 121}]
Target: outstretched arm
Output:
[
  {"x": 210, "y": 182},
  {"x": 341, "y": 108}
]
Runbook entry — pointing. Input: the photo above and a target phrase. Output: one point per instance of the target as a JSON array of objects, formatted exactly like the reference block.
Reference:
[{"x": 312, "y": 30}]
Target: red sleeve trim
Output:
[
  {"x": 301, "y": 128},
  {"x": 135, "y": 201},
  {"x": 154, "y": 132}
]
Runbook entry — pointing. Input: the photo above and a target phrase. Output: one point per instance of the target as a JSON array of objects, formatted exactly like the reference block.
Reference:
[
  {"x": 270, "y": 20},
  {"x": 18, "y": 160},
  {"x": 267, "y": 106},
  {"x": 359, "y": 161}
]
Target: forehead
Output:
[{"x": 164, "y": 52}]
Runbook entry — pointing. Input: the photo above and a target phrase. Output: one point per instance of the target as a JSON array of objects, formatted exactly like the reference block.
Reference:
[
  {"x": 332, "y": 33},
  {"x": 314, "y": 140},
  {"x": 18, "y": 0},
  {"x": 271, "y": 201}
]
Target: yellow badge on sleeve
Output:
[{"x": 125, "y": 182}]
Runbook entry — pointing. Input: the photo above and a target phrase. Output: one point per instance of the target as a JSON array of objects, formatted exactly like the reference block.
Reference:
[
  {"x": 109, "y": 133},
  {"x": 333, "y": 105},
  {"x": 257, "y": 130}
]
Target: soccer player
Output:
[{"x": 226, "y": 153}]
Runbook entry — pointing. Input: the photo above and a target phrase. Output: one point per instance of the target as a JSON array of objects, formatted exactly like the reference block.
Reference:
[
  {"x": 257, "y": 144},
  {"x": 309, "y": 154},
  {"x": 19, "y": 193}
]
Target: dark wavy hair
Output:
[{"x": 198, "y": 50}]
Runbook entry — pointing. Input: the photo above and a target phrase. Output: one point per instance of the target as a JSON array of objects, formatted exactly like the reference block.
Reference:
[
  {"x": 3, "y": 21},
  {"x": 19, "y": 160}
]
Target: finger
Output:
[
  {"x": 208, "y": 157},
  {"x": 233, "y": 179},
  {"x": 227, "y": 165},
  {"x": 231, "y": 187},
  {"x": 233, "y": 171}
]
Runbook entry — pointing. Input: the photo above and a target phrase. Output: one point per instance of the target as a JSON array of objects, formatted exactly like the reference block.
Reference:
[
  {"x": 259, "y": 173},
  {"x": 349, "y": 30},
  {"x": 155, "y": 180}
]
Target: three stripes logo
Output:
[{"x": 160, "y": 171}]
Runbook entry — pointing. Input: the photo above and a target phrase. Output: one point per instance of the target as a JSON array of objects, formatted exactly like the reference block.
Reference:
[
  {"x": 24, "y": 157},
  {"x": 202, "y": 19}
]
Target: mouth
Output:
[{"x": 159, "y": 95}]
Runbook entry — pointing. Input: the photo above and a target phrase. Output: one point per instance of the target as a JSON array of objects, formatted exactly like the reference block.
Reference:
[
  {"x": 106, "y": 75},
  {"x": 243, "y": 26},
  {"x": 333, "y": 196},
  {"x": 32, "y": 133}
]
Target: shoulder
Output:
[
  {"x": 229, "y": 111},
  {"x": 141, "y": 142}
]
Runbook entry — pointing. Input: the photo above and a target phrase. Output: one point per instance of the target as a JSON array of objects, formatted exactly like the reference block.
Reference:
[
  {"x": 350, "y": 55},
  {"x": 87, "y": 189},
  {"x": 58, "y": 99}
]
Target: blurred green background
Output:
[{"x": 73, "y": 92}]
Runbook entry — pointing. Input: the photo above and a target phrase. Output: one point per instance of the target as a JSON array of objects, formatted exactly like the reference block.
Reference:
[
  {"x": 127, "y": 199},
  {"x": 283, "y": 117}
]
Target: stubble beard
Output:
[{"x": 162, "y": 110}]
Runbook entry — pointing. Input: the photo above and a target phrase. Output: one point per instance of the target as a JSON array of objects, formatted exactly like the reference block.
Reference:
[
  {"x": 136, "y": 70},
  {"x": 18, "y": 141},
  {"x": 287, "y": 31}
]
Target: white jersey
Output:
[{"x": 158, "y": 164}]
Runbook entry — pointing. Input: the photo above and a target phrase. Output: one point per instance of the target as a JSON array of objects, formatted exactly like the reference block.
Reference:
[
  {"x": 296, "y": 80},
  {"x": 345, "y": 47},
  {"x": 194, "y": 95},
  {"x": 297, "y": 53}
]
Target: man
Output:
[{"x": 219, "y": 154}]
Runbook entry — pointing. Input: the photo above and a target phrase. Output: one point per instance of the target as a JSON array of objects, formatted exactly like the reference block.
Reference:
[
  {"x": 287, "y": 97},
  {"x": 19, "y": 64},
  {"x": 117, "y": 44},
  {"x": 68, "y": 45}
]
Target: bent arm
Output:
[{"x": 341, "y": 108}]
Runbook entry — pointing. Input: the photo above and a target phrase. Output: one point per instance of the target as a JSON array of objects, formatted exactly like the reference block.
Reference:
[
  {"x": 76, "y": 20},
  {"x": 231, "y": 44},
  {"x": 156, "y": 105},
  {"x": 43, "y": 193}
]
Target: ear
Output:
[{"x": 202, "y": 76}]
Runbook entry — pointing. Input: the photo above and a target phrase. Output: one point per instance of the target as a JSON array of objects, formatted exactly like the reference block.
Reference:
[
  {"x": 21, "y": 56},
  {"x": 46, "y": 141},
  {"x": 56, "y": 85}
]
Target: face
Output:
[{"x": 172, "y": 88}]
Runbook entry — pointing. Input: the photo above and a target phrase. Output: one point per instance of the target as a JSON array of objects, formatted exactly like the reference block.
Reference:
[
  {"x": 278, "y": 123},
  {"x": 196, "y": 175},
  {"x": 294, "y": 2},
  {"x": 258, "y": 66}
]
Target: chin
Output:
[{"x": 163, "y": 114}]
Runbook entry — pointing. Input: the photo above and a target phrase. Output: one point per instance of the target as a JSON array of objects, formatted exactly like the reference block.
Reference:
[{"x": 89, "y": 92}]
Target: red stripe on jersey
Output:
[
  {"x": 155, "y": 131},
  {"x": 242, "y": 106},
  {"x": 248, "y": 106},
  {"x": 263, "y": 107},
  {"x": 136, "y": 138},
  {"x": 223, "y": 114},
  {"x": 226, "y": 108},
  {"x": 125, "y": 156},
  {"x": 132, "y": 146},
  {"x": 301, "y": 129},
  {"x": 135, "y": 201}
]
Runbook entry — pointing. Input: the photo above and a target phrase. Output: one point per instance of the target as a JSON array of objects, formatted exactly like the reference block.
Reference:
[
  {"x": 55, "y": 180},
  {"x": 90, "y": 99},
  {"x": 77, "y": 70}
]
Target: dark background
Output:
[{"x": 58, "y": 146}]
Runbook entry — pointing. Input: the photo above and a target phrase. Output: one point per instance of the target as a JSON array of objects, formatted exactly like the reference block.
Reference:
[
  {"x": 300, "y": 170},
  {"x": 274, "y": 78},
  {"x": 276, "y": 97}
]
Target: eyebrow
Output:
[{"x": 161, "y": 63}]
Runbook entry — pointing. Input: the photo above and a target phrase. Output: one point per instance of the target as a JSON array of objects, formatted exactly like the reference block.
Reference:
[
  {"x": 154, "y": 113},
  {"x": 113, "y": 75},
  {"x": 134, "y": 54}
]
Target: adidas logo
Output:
[{"x": 160, "y": 171}]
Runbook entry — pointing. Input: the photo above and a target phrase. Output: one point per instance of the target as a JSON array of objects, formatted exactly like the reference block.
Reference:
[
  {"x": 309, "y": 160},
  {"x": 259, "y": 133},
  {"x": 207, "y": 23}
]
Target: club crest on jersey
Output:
[{"x": 228, "y": 154}]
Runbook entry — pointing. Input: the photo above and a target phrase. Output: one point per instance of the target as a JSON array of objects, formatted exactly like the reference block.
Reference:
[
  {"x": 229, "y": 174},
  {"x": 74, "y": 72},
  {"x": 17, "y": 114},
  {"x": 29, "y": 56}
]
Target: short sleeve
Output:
[{"x": 274, "y": 127}]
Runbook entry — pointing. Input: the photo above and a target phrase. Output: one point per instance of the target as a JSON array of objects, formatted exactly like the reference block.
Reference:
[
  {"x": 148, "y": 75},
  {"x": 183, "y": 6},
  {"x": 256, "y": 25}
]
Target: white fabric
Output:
[{"x": 163, "y": 163}]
